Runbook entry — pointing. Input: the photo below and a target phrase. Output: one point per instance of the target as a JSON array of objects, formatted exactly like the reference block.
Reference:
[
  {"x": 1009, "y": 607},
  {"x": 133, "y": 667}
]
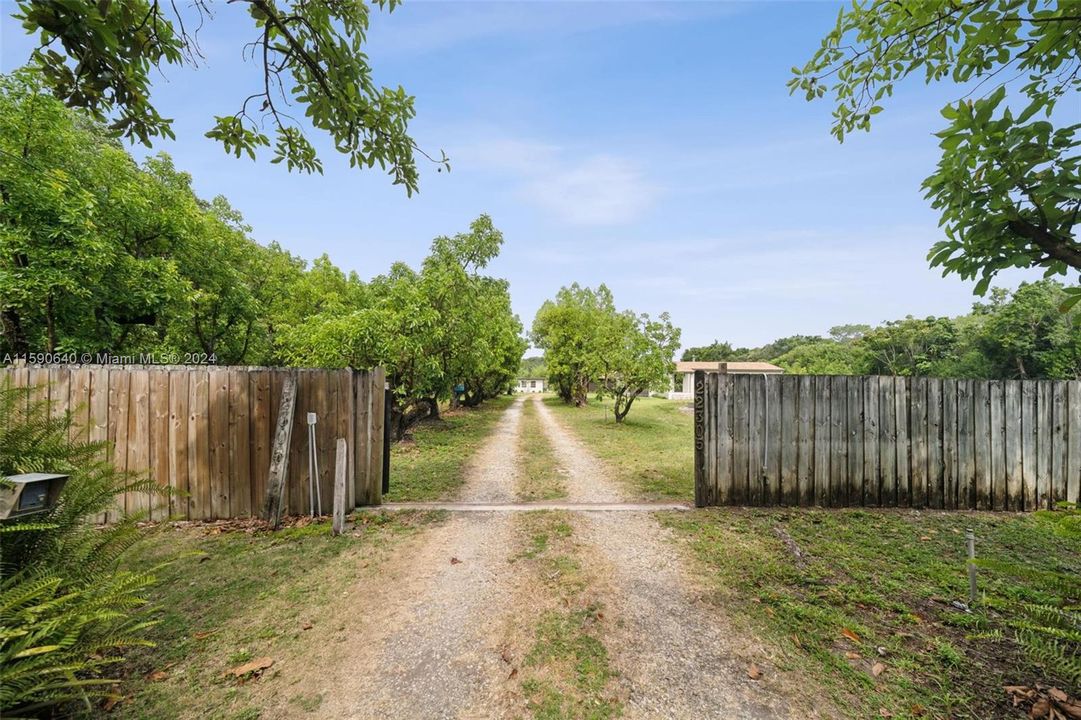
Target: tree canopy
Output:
[
  {"x": 101, "y": 255},
  {"x": 1023, "y": 334},
  {"x": 101, "y": 56},
  {"x": 1008, "y": 185},
  {"x": 586, "y": 340}
]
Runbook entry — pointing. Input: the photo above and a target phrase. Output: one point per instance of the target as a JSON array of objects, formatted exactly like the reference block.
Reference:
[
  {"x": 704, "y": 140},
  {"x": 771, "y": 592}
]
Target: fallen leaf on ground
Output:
[
  {"x": 202, "y": 635},
  {"x": 455, "y": 561},
  {"x": 883, "y": 712},
  {"x": 306, "y": 625},
  {"x": 513, "y": 672},
  {"x": 256, "y": 665},
  {"x": 753, "y": 672},
  {"x": 796, "y": 640},
  {"x": 157, "y": 676},
  {"x": 1040, "y": 708},
  {"x": 850, "y": 635},
  {"x": 505, "y": 655},
  {"x": 850, "y": 655},
  {"x": 925, "y": 538},
  {"x": 877, "y": 669}
]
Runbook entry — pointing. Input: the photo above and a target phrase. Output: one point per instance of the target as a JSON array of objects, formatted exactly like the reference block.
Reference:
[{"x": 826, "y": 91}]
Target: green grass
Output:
[
  {"x": 223, "y": 599},
  {"x": 567, "y": 673},
  {"x": 652, "y": 450},
  {"x": 539, "y": 476},
  {"x": 432, "y": 465},
  {"x": 889, "y": 577}
]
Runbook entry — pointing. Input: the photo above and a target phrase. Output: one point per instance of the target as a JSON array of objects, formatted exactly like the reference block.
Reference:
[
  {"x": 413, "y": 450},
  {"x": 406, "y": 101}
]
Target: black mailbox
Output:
[{"x": 29, "y": 493}]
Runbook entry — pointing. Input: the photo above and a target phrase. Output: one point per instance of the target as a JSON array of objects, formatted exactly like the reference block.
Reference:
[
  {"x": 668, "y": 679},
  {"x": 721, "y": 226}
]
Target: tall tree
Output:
[
  {"x": 101, "y": 55},
  {"x": 635, "y": 358},
  {"x": 1008, "y": 186}
]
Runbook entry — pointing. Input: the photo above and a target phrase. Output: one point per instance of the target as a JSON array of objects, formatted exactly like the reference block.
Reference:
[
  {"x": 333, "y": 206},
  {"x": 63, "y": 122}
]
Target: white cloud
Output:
[{"x": 597, "y": 190}]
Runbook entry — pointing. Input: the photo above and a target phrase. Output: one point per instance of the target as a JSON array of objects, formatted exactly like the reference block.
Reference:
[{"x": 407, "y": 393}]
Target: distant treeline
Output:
[
  {"x": 100, "y": 255},
  {"x": 1023, "y": 334}
]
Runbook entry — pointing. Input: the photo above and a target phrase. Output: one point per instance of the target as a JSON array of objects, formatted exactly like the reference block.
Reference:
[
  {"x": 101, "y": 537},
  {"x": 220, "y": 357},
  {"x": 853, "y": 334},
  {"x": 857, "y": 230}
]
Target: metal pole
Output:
[
  {"x": 318, "y": 490},
  {"x": 970, "y": 541}
]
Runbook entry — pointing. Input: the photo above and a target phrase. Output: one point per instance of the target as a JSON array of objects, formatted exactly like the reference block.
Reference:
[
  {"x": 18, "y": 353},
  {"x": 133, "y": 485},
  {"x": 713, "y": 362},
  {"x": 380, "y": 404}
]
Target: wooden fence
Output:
[
  {"x": 840, "y": 441},
  {"x": 206, "y": 432}
]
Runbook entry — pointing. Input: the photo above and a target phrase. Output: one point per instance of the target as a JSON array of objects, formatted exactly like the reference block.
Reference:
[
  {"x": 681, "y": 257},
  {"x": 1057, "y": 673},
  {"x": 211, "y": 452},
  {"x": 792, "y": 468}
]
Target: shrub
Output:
[{"x": 66, "y": 610}]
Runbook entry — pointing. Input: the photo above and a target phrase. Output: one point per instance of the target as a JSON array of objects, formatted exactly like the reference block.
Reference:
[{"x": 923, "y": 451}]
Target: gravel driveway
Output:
[{"x": 424, "y": 635}]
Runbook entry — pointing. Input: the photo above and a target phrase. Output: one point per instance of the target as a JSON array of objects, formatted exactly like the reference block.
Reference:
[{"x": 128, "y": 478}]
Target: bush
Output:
[{"x": 66, "y": 610}]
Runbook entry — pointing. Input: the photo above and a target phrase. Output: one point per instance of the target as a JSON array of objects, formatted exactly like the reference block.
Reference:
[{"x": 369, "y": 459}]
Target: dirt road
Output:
[{"x": 428, "y": 636}]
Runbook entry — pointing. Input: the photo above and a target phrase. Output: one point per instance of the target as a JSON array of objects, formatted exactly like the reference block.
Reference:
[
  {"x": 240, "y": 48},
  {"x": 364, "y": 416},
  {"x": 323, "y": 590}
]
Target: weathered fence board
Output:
[
  {"x": 887, "y": 441},
  {"x": 204, "y": 434}
]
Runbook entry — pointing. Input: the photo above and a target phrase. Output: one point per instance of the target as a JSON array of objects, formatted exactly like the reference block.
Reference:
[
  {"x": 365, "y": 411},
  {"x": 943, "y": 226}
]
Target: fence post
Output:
[
  {"x": 340, "y": 463},
  {"x": 700, "y": 478}
]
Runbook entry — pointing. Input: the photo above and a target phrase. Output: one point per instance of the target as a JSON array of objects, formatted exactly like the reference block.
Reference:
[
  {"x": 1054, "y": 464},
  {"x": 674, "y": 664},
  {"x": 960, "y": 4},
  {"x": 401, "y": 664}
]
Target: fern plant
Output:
[
  {"x": 1048, "y": 630},
  {"x": 66, "y": 611}
]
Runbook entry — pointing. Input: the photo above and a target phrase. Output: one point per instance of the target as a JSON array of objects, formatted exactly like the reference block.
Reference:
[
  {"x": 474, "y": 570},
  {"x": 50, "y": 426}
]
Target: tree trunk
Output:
[{"x": 13, "y": 329}]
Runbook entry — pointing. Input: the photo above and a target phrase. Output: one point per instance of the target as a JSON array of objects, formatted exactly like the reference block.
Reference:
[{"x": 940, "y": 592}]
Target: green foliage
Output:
[
  {"x": 1024, "y": 334},
  {"x": 66, "y": 612},
  {"x": 101, "y": 56},
  {"x": 1007, "y": 186},
  {"x": 587, "y": 340},
  {"x": 1048, "y": 628},
  {"x": 434, "y": 329}
]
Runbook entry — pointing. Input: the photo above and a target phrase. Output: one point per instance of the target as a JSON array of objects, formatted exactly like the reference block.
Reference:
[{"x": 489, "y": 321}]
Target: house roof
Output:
[{"x": 729, "y": 367}]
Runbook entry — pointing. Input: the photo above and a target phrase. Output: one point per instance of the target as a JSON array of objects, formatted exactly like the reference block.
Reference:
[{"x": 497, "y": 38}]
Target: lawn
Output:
[
  {"x": 652, "y": 450},
  {"x": 868, "y": 606},
  {"x": 231, "y": 593},
  {"x": 431, "y": 464},
  {"x": 539, "y": 476}
]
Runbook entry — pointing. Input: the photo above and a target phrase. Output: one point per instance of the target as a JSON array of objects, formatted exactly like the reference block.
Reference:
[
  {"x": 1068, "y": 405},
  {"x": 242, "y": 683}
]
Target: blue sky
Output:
[{"x": 652, "y": 147}]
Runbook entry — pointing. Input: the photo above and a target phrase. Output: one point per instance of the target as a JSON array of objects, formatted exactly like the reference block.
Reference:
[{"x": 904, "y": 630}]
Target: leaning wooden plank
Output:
[
  {"x": 341, "y": 464},
  {"x": 1013, "y": 439},
  {"x": 346, "y": 401},
  {"x": 279, "y": 454}
]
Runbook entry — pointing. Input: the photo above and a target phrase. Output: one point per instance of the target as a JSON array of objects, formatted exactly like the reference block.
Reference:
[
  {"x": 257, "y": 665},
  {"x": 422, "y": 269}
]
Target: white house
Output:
[
  {"x": 686, "y": 371},
  {"x": 529, "y": 385}
]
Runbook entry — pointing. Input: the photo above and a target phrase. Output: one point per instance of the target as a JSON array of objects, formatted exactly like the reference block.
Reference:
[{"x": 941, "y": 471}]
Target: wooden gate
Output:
[
  {"x": 879, "y": 441},
  {"x": 205, "y": 433}
]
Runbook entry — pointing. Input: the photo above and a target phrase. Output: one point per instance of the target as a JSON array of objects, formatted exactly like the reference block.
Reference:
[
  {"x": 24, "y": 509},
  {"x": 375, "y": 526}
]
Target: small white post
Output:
[{"x": 970, "y": 541}]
